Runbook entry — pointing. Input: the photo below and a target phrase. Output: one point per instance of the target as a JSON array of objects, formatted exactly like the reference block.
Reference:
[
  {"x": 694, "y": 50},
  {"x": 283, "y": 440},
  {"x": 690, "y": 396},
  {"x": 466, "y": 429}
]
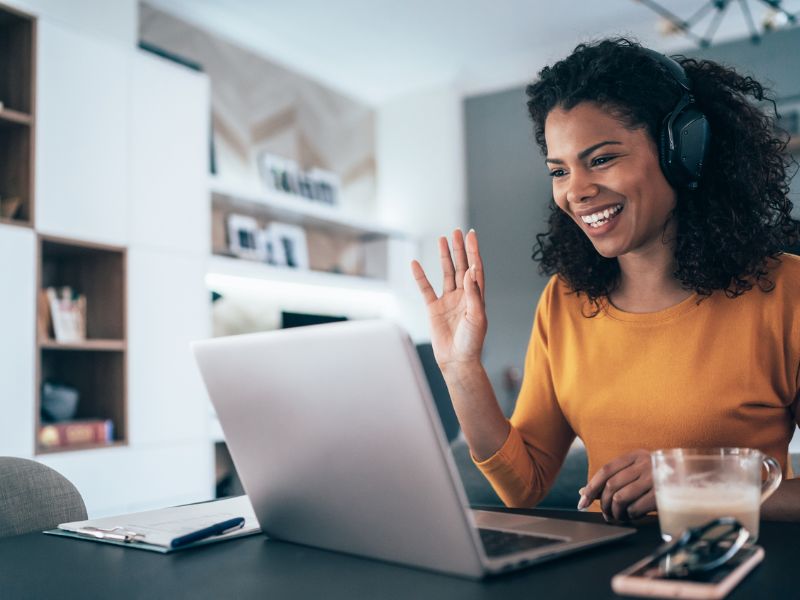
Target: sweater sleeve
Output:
[{"x": 524, "y": 468}]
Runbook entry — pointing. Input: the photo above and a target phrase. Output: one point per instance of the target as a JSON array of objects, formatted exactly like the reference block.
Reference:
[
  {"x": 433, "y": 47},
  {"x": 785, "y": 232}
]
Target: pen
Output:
[{"x": 201, "y": 534}]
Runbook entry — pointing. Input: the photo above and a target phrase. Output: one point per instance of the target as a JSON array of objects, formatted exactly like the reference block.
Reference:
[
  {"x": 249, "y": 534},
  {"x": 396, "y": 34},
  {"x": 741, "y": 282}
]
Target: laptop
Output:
[{"x": 338, "y": 444}]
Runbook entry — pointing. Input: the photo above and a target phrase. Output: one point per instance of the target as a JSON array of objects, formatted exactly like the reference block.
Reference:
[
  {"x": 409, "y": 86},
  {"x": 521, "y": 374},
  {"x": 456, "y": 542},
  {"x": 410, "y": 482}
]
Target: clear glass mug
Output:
[{"x": 693, "y": 486}]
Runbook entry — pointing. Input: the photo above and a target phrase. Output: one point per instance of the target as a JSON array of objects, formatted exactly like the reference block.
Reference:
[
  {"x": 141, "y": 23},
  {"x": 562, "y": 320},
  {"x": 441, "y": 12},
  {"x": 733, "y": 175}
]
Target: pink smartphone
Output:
[{"x": 645, "y": 579}]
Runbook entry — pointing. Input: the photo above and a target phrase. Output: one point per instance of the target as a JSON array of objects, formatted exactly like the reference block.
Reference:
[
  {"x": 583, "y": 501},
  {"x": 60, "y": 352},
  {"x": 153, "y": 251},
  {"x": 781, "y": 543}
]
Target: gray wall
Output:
[{"x": 509, "y": 189}]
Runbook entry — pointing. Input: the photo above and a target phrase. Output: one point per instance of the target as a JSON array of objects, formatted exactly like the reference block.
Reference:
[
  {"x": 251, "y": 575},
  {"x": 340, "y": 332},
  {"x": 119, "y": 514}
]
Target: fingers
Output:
[
  {"x": 448, "y": 270},
  {"x": 428, "y": 294},
  {"x": 595, "y": 486},
  {"x": 474, "y": 259},
  {"x": 616, "y": 483},
  {"x": 628, "y": 486},
  {"x": 466, "y": 255},
  {"x": 645, "y": 504},
  {"x": 475, "y": 310},
  {"x": 460, "y": 255},
  {"x": 624, "y": 499}
]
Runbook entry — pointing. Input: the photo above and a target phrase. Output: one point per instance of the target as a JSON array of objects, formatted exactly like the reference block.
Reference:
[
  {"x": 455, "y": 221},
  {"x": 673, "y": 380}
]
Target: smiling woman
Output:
[{"x": 670, "y": 319}]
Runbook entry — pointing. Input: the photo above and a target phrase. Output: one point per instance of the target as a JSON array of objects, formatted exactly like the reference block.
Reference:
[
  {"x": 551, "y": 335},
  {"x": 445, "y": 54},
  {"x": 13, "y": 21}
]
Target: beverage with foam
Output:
[
  {"x": 695, "y": 486},
  {"x": 682, "y": 507}
]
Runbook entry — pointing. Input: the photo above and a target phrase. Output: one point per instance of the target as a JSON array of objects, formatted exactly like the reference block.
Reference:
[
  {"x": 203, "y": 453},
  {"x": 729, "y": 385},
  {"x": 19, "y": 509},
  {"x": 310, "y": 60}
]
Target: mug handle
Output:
[{"x": 773, "y": 479}]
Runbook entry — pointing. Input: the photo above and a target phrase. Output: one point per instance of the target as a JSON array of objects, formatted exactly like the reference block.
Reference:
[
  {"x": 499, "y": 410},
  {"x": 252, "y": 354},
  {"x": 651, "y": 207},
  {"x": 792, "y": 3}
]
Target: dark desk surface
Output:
[{"x": 41, "y": 566}]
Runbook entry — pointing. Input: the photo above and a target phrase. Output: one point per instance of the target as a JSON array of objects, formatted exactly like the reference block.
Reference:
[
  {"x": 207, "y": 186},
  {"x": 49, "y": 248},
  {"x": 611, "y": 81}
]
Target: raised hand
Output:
[{"x": 458, "y": 316}]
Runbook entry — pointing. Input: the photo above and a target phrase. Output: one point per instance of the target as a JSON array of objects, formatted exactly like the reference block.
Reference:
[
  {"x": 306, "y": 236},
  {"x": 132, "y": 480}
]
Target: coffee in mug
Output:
[{"x": 694, "y": 486}]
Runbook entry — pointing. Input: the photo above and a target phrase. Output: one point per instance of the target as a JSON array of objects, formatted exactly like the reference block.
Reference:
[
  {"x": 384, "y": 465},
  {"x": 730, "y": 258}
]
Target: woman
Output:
[{"x": 669, "y": 319}]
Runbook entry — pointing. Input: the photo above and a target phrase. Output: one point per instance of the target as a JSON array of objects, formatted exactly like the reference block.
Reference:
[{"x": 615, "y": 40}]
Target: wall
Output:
[
  {"x": 508, "y": 188},
  {"x": 113, "y": 20},
  {"x": 420, "y": 166}
]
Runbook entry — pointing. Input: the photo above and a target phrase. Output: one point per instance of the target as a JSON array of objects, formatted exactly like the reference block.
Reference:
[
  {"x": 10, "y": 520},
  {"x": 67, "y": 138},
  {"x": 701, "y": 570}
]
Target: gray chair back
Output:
[{"x": 34, "y": 497}]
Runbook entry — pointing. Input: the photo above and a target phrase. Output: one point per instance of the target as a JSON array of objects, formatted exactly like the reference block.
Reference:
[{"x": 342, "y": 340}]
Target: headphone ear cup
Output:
[
  {"x": 682, "y": 165},
  {"x": 692, "y": 135},
  {"x": 665, "y": 156}
]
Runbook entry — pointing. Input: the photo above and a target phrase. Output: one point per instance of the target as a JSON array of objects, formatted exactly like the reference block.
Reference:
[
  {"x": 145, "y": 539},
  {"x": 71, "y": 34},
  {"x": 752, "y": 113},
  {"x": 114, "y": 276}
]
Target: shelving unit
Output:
[
  {"x": 96, "y": 366},
  {"x": 17, "y": 120},
  {"x": 341, "y": 247}
]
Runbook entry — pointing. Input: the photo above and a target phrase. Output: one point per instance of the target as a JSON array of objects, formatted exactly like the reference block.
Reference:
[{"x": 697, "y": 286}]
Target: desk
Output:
[{"x": 40, "y": 566}]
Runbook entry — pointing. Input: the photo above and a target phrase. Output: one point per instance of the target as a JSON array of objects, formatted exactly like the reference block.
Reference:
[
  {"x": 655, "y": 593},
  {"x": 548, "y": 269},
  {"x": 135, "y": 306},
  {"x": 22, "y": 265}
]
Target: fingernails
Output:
[
  {"x": 583, "y": 503},
  {"x": 473, "y": 274}
]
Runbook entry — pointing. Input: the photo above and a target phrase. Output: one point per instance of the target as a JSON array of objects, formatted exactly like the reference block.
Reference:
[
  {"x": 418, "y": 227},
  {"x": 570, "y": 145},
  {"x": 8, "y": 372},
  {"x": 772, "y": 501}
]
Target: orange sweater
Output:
[{"x": 723, "y": 372}]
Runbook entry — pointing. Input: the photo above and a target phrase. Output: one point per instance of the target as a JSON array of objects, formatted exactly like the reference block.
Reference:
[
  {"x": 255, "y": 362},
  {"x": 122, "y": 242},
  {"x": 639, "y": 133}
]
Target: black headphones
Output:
[{"x": 684, "y": 135}]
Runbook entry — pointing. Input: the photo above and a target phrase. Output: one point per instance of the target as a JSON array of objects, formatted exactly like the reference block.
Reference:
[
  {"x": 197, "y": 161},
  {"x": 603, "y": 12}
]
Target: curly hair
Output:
[{"x": 733, "y": 226}]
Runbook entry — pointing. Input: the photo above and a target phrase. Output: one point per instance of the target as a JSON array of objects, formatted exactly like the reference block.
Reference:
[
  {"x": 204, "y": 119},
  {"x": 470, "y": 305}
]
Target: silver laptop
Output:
[{"x": 338, "y": 444}]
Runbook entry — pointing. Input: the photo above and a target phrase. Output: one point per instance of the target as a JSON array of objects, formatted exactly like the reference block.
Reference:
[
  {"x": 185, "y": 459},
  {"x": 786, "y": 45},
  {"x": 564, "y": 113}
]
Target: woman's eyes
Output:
[
  {"x": 601, "y": 160},
  {"x": 595, "y": 162}
]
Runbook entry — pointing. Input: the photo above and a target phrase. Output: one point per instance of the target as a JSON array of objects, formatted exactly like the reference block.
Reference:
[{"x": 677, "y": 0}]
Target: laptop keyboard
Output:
[{"x": 501, "y": 543}]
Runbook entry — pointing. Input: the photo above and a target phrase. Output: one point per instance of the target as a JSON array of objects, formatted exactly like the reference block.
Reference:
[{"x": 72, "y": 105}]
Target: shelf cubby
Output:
[
  {"x": 17, "y": 122},
  {"x": 96, "y": 366}
]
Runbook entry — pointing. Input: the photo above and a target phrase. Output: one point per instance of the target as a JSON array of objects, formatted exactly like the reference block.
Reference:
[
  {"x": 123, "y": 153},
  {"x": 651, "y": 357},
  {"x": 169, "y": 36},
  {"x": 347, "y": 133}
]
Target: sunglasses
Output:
[{"x": 701, "y": 549}]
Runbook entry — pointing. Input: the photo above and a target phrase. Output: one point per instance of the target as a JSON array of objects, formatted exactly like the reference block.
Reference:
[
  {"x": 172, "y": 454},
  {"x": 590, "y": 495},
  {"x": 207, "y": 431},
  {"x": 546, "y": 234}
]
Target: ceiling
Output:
[{"x": 377, "y": 50}]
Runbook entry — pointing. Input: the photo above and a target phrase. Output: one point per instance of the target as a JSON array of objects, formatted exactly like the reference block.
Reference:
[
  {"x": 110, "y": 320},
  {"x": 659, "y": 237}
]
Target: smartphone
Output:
[{"x": 645, "y": 578}]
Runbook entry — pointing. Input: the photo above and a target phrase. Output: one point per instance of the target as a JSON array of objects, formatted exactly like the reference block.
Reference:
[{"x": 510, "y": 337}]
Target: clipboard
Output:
[{"x": 154, "y": 530}]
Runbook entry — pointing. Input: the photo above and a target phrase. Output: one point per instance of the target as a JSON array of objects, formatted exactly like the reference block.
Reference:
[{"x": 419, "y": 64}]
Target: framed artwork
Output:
[
  {"x": 288, "y": 245},
  {"x": 245, "y": 238},
  {"x": 284, "y": 175}
]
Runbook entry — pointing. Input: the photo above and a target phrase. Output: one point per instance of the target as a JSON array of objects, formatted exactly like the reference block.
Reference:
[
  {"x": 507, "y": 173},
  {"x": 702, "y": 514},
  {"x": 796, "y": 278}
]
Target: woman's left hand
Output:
[{"x": 624, "y": 487}]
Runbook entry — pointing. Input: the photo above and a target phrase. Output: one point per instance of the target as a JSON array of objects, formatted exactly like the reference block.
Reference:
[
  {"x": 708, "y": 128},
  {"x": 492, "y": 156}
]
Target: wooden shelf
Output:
[
  {"x": 15, "y": 222},
  {"x": 78, "y": 447},
  {"x": 91, "y": 345},
  {"x": 14, "y": 116}
]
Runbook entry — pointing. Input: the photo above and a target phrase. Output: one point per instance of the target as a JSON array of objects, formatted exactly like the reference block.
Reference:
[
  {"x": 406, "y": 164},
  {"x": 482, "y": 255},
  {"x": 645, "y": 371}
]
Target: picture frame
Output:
[
  {"x": 288, "y": 244},
  {"x": 245, "y": 237},
  {"x": 283, "y": 175},
  {"x": 326, "y": 186}
]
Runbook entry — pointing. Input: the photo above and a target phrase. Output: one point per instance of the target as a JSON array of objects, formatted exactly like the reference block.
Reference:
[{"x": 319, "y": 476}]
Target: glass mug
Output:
[{"x": 693, "y": 486}]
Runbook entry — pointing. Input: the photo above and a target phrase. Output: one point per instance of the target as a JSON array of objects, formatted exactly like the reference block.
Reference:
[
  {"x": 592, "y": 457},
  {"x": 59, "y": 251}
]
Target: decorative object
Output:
[
  {"x": 245, "y": 239},
  {"x": 289, "y": 245},
  {"x": 284, "y": 175},
  {"x": 775, "y": 18},
  {"x": 67, "y": 314},
  {"x": 59, "y": 401},
  {"x": 10, "y": 206}
]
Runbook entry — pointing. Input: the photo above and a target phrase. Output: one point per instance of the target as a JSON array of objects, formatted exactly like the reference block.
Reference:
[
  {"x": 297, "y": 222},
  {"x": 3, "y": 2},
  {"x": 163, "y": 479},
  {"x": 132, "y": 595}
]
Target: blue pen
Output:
[{"x": 211, "y": 530}]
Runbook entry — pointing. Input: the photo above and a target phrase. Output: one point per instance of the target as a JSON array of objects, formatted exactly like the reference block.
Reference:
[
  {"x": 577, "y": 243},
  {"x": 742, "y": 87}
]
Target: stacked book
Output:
[{"x": 76, "y": 433}]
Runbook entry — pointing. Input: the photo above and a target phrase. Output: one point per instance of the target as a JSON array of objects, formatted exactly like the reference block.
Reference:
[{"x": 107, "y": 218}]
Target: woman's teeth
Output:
[{"x": 601, "y": 217}]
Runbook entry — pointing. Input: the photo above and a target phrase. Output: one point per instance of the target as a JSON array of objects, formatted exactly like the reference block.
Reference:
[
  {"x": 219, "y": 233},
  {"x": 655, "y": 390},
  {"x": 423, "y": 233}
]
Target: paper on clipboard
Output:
[{"x": 156, "y": 529}]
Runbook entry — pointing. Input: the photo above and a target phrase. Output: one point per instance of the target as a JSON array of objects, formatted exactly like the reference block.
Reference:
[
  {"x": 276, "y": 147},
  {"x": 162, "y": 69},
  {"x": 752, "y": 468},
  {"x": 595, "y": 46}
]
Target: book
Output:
[
  {"x": 67, "y": 314},
  {"x": 75, "y": 433},
  {"x": 156, "y": 530}
]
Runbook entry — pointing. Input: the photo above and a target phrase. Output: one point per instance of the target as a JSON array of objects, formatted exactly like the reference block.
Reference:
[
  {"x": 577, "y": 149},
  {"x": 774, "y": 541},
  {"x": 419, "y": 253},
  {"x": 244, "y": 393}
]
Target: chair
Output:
[
  {"x": 563, "y": 494},
  {"x": 34, "y": 497}
]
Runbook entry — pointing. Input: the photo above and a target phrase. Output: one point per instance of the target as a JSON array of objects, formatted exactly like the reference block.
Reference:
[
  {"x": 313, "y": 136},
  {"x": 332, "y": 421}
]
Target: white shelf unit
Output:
[
  {"x": 227, "y": 266},
  {"x": 366, "y": 242}
]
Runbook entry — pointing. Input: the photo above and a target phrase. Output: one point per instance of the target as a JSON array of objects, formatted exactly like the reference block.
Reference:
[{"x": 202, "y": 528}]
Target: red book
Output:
[{"x": 76, "y": 433}]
